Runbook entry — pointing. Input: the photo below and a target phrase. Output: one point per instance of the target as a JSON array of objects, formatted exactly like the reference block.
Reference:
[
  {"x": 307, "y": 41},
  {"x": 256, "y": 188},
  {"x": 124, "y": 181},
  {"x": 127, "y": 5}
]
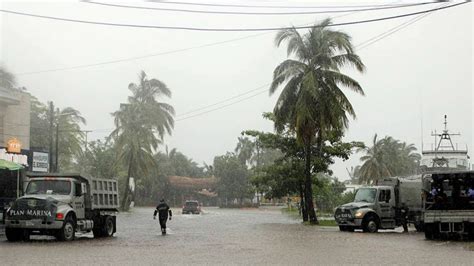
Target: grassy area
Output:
[{"x": 293, "y": 212}]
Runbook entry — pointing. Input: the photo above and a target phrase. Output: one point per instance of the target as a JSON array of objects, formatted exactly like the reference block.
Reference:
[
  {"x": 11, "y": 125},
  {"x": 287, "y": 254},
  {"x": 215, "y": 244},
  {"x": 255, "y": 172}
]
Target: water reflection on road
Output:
[{"x": 218, "y": 236}]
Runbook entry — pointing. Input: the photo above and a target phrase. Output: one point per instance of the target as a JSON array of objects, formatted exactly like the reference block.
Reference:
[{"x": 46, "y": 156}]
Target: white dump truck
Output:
[
  {"x": 391, "y": 203},
  {"x": 62, "y": 204}
]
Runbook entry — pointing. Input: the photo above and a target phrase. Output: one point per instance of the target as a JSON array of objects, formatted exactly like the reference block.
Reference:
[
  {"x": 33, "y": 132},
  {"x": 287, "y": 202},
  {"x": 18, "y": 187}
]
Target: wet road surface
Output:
[{"x": 263, "y": 236}]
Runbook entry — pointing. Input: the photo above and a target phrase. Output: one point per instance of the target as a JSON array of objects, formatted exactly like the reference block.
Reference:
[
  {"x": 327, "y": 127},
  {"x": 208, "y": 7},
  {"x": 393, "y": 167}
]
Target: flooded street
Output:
[{"x": 264, "y": 236}]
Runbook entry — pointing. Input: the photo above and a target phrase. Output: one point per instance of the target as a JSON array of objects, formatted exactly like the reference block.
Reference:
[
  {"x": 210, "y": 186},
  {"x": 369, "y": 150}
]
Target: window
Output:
[
  {"x": 384, "y": 195},
  {"x": 78, "y": 189}
]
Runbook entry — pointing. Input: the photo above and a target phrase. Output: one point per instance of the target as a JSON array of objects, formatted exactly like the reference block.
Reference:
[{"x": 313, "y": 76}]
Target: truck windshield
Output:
[
  {"x": 365, "y": 195},
  {"x": 60, "y": 187}
]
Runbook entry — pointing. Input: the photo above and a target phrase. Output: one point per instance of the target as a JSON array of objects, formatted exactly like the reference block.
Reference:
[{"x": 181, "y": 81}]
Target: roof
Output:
[
  {"x": 192, "y": 182},
  {"x": 10, "y": 165},
  {"x": 67, "y": 175}
]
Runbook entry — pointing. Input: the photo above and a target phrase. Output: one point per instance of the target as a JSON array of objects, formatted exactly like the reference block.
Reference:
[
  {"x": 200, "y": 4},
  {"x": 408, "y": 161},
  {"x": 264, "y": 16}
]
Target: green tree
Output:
[
  {"x": 68, "y": 122},
  {"x": 245, "y": 150},
  {"x": 99, "y": 160},
  {"x": 66, "y": 128},
  {"x": 39, "y": 125},
  {"x": 233, "y": 178},
  {"x": 312, "y": 102},
  {"x": 140, "y": 127},
  {"x": 387, "y": 157}
]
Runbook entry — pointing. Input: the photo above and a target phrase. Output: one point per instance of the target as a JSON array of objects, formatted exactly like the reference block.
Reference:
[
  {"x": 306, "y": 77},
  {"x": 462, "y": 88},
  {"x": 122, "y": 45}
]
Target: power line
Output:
[
  {"x": 221, "y": 107},
  {"x": 226, "y": 100},
  {"x": 391, "y": 31},
  {"x": 358, "y": 47},
  {"x": 157, "y": 54},
  {"x": 256, "y": 6},
  {"x": 139, "y": 57},
  {"x": 226, "y": 29},
  {"x": 259, "y": 13}
]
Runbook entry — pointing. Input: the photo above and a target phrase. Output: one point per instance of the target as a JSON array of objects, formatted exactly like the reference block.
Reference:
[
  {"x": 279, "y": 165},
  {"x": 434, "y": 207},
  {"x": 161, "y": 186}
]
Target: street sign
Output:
[{"x": 40, "y": 162}]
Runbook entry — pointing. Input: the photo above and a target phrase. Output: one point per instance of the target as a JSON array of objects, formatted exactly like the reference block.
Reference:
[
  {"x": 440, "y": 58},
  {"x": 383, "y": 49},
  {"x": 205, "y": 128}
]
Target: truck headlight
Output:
[{"x": 359, "y": 214}]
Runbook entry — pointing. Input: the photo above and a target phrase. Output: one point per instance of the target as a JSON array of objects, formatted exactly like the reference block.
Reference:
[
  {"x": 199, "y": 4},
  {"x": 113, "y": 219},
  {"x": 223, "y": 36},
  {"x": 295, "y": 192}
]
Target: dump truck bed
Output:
[{"x": 104, "y": 194}]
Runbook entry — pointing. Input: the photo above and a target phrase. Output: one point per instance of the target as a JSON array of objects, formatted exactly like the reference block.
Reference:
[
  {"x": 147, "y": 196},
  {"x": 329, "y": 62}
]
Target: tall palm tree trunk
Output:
[
  {"x": 308, "y": 186},
  {"x": 127, "y": 185},
  {"x": 304, "y": 213}
]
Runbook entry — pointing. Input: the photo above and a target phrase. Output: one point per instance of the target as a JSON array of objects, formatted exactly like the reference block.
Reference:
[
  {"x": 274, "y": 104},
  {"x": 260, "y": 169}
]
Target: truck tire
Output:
[
  {"x": 68, "y": 231},
  {"x": 98, "y": 232},
  {"x": 429, "y": 234},
  {"x": 342, "y": 228},
  {"x": 109, "y": 226},
  {"x": 13, "y": 234},
  {"x": 370, "y": 224}
]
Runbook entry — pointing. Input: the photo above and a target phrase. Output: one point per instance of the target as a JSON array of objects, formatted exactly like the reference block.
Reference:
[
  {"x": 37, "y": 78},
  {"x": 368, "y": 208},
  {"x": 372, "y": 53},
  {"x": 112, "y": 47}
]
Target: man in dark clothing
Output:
[{"x": 163, "y": 210}]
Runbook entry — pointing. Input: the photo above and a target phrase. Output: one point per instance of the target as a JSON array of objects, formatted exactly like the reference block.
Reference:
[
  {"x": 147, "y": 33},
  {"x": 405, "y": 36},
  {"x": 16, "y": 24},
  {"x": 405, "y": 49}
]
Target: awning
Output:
[{"x": 10, "y": 165}]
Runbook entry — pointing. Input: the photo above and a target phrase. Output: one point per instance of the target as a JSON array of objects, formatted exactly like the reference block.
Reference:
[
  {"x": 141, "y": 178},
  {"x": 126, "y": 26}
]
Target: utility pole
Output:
[
  {"x": 57, "y": 148},
  {"x": 51, "y": 129}
]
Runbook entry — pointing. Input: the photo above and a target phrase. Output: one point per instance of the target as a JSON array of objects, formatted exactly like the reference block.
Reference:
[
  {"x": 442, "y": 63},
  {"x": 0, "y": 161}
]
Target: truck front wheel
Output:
[
  {"x": 370, "y": 225},
  {"x": 13, "y": 234},
  {"x": 68, "y": 231}
]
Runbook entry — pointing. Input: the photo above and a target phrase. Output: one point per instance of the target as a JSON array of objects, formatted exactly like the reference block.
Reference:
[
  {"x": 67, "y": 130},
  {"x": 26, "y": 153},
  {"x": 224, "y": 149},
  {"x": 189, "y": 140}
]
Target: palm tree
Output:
[
  {"x": 312, "y": 102},
  {"x": 7, "y": 79},
  {"x": 388, "y": 157},
  {"x": 140, "y": 127},
  {"x": 374, "y": 166},
  {"x": 70, "y": 137},
  {"x": 245, "y": 150}
]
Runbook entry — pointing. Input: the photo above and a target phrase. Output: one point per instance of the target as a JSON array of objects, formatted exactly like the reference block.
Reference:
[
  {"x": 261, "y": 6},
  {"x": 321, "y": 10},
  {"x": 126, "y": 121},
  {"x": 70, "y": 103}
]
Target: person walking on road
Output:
[{"x": 163, "y": 211}]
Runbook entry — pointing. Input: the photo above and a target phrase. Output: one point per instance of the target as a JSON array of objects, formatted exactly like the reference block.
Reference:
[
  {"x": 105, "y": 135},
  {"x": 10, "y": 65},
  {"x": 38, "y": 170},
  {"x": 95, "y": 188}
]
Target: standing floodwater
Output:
[{"x": 232, "y": 236}]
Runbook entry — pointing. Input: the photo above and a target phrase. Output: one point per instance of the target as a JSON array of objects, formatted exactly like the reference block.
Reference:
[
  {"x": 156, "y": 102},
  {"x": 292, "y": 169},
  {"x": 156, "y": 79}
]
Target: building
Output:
[{"x": 14, "y": 117}]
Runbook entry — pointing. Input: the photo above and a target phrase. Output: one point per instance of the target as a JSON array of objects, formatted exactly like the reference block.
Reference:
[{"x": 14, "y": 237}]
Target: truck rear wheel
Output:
[
  {"x": 109, "y": 226},
  {"x": 431, "y": 231},
  {"x": 419, "y": 226},
  {"x": 105, "y": 229},
  {"x": 68, "y": 231}
]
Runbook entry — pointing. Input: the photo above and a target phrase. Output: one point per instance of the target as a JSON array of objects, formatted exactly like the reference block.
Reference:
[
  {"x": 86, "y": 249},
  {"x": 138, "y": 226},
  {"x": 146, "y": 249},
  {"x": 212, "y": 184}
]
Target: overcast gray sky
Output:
[{"x": 417, "y": 74}]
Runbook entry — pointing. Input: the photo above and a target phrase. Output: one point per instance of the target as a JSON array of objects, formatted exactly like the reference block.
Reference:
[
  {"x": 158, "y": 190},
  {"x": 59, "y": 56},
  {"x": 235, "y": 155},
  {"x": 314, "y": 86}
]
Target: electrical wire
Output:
[
  {"x": 259, "y": 13},
  {"x": 226, "y": 100},
  {"x": 358, "y": 47},
  {"x": 221, "y": 107},
  {"x": 158, "y": 54},
  {"x": 389, "y": 32},
  {"x": 227, "y": 29},
  {"x": 257, "y": 6}
]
